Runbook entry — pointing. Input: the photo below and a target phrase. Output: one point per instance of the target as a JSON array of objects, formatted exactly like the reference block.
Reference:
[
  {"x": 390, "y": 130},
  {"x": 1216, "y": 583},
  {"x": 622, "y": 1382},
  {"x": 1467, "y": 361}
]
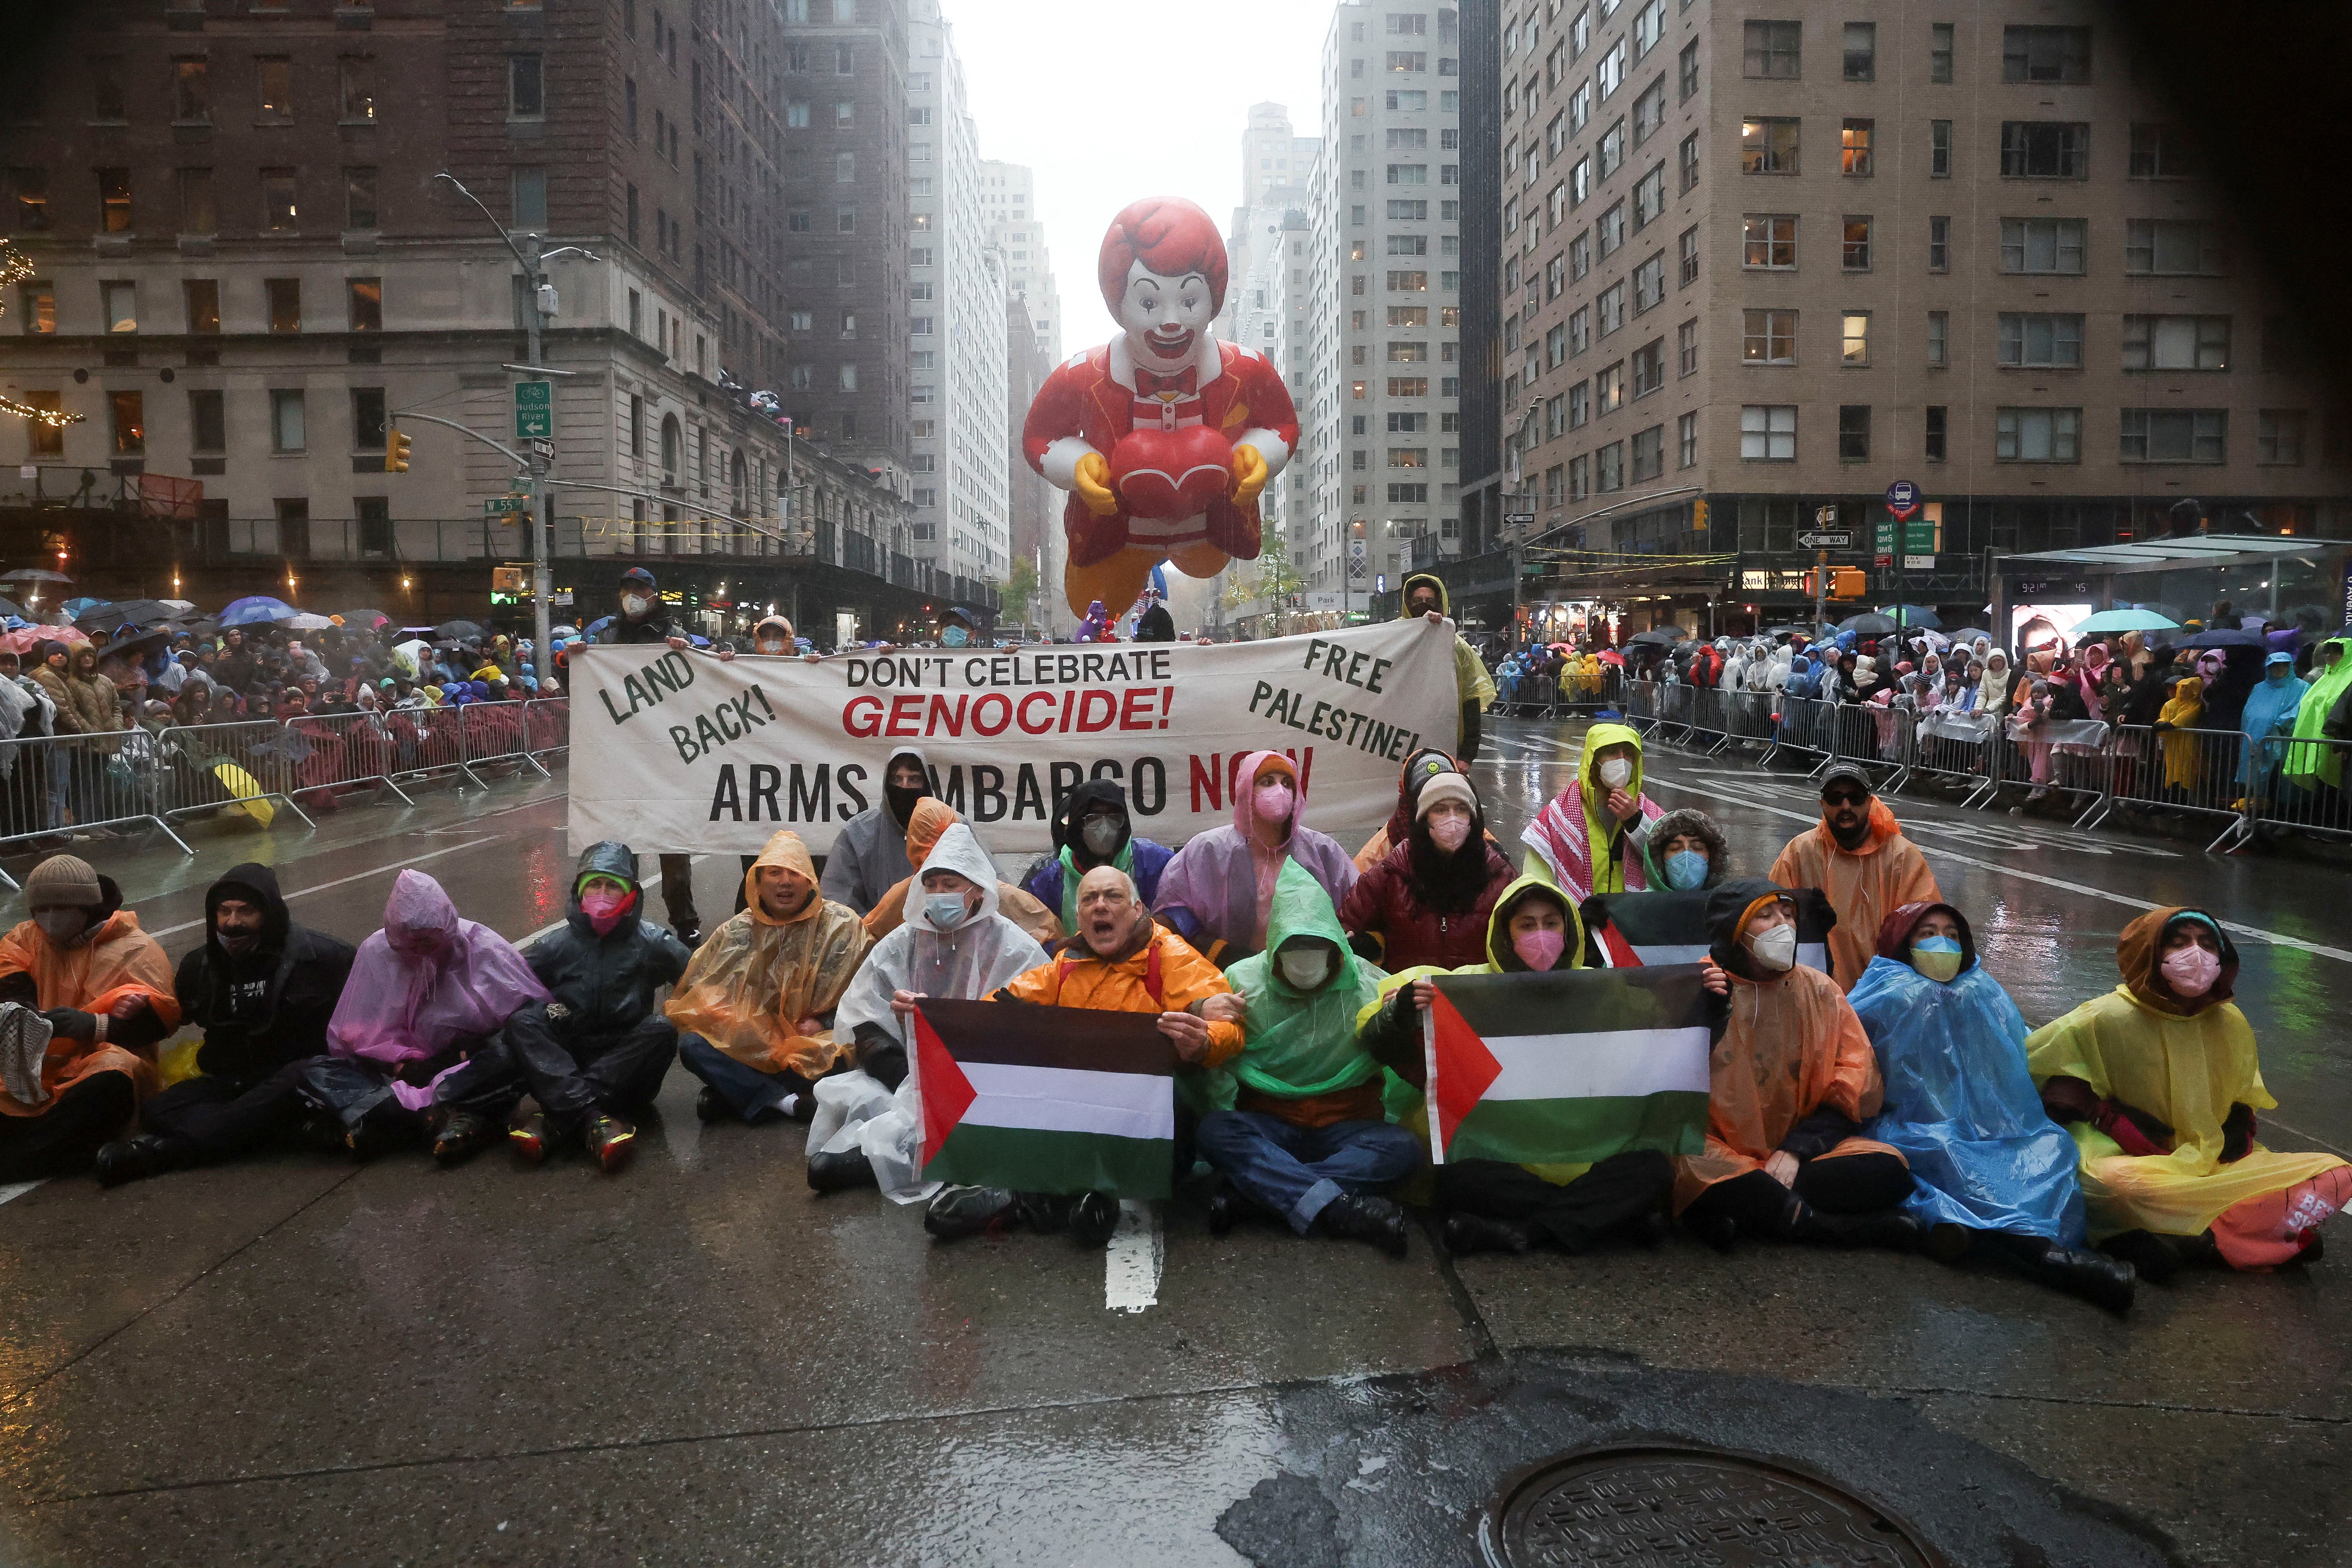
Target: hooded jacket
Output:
[
  {"x": 1302, "y": 1062},
  {"x": 1562, "y": 841},
  {"x": 1054, "y": 881},
  {"x": 2186, "y": 1061},
  {"x": 1126, "y": 984},
  {"x": 115, "y": 962},
  {"x": 291, "y": 982},
  {"x": 1684, "y": 823},
  {"x": 1472, "y": 685},
  {"x": 2307, "y": 765},
  {"x": 870, "y": 852},
  {"x": 98, "y": 705},
  {"x": 1218, "y": 892},
  {"x": 1865, "y": 884},
  {"x": 1419, "y": 768},
  {"x": 755, "y": 978},
  {"x": 1389, "y": 901},
  {"x": 606, "y": 983},
  {"x": 965, "y": 962},
  {"x": 933, "y": 817}
]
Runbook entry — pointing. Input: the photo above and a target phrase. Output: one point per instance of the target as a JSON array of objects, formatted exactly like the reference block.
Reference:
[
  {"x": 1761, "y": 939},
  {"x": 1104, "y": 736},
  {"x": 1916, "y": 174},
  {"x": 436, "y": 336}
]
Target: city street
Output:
[{"x": 298, "y": 1359}]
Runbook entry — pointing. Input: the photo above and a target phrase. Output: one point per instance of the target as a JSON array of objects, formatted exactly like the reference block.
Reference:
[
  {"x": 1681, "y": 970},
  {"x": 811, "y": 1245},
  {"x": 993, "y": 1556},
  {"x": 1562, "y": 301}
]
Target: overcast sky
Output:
[{"x": 1109, "y": 102}]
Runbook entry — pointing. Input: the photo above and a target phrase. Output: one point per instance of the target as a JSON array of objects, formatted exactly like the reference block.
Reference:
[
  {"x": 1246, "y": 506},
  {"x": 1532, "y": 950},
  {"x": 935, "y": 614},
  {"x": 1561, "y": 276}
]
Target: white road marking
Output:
[
  {"x": 1131, "y": 1262},
  {"x": 18, "y": 1189},
  {"x": 355, "y": 877}
]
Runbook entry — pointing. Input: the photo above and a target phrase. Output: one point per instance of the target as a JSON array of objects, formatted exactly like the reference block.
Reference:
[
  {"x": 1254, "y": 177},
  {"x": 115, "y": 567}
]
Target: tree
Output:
[
  {"x": 1017, "y": 591},
  {"x": 1278, "y": 579}
]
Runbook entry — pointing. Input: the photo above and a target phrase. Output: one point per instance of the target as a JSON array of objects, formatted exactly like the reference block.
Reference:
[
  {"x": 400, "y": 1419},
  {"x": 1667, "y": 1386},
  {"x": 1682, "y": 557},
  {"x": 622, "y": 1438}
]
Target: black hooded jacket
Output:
[
  {"x": 270, "y": 1007},
  {"x": 606, "y": 983}
]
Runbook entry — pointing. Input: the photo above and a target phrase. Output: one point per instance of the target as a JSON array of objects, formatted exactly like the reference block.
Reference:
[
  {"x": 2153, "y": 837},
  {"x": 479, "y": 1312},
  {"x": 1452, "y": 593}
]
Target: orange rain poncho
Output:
[
  {"x": 1125, "y": 985},
  {"x": 1864, "y": 886},
  {"x": 1793, "y": 1047},
  {"x": 119, "y": 960},
  {"x": 932, "y": 817},
  {"x": 756, "y": 977}
]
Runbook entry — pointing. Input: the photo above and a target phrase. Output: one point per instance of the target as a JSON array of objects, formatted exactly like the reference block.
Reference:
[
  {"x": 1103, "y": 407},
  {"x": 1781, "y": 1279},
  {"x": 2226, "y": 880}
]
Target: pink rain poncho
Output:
[
  {"x": 1220, "y": 886},
  {"x": 424, "y": 983}
]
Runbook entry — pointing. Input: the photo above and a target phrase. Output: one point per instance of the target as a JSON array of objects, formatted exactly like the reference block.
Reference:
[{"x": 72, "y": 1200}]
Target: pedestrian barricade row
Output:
[
  {"x": 1551, "y": 696},
  {"x": 55, "y": 787}
]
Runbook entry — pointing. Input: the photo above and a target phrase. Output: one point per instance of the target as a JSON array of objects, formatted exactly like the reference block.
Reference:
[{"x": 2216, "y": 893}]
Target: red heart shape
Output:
[{"x": 1171, "y": 473}]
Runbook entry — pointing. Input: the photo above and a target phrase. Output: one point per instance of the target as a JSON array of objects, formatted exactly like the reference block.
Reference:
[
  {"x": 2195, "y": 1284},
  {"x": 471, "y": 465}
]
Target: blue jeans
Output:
[
  {"x": 1294, "y": 1170},
  {"x": 755, "y": 1096}
]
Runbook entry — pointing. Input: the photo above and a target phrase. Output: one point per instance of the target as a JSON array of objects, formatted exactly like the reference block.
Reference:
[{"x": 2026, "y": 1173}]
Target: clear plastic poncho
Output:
[{"x": 755, "y": 978}]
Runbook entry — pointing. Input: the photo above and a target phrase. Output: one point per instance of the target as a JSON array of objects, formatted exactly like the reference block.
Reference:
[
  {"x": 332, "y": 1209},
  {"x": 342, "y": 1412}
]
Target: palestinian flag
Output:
[
  {"x": 1045, "y": 1100},
  {"x": 1658, "y": 927},
  {"x": 1568, "y": 1067}
]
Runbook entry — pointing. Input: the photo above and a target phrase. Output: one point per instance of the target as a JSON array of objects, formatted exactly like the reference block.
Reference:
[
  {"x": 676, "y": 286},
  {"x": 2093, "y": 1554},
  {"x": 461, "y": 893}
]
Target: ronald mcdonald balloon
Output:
[{"x": 1163, "y": 436}]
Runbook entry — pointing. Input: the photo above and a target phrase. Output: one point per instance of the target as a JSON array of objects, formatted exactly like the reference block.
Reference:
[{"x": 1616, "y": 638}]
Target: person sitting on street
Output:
[
  {"x": 593, "y": 1057},
  {"x": 1092, "y": 829},
  {"x": 1492, "y": 1206},
  {"x": 262, "y": 989},
  {"x": 1428, "y": 902},
  {"x": 425, "y": 991},
  {"x": 1299, "y": 1131},
  {"x": 1792, "y": 1082},
  {"x": 751, "y": 1008},
  {"x": 1121, "y": 960},
  {"x": 1685, "y": 852},
  {"x": 870, "y": 855},
  {"x": 932, "y": 817},
  {"x": 1218, "y": 891},
  {"x": 953, "y": 942},
  {"x": 104, "y": 989},
  {"x": 2159, "y": 1084},
  {"x": 1993, "y": 1173},
  {"x": 1859, "y": 857},
  {"x": 1419, "y": 768},
  {"x": 1589, "y": 839}
]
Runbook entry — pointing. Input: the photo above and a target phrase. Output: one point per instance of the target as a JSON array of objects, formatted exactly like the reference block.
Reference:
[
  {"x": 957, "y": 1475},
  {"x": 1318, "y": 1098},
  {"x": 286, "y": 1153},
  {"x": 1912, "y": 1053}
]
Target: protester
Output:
[
  {"x": 102, "y": 989},
  {"x": 1420, "y": 767},
  {"x": 931, "y": 817},
  {"x": 1092, "y": 829},
  {"x": 953, "y": 942},
  {"x": 1218, "y": 891},
  {"x": 2159, "y": 1083},
  {"x": 641, "y": 621},
  {"x": 2270, "y": 711},
  {"x": 2184, "y": 762},
  {"x": 1992, "y": 1171},
  {"x": 1685, "y": 851},
  {"x": 1589, "y": 838},
  {"x": 262, "y": 989},
  {"x": 1428, "y": 901},
  {"x": 1859, "y": 857},
  {"x": 1121, "y": 960},
  {"x": 2309, "y": 767},
  {"x": 1423, "y": 594},
  {"x": 870, "y": 853},
  {"x": 1299, "y": 1131},
  {"x": 750, "y": 1010},
  {"x": 593, "y": 1057},
  {"x": 1792, "y": 1081}
]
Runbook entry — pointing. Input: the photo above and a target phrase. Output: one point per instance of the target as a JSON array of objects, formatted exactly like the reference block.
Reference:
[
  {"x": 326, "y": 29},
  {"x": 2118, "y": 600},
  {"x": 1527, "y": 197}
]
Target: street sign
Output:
[
  {"x": 542, "y": 447},
  {"x": 1827, "y": 516},
  {"x": 1518, "y": 517},
  {"x": 1380, "y": 583},
  {"x": 1919, "y": 563},
  {"x": 1903, "y": 498},
  {"x": 534, "y": 406},
  {"x": 507, "y": 506},
  {"x": 1824, "y": 540}
]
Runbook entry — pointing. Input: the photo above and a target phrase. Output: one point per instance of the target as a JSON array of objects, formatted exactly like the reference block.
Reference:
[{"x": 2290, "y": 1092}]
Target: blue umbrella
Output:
[
  {"x": 255, "y": 611},
  {"x": 2123, "y": 621},
  {"x": 78, "y": 607},
  {"x": 595, "y": 628}
]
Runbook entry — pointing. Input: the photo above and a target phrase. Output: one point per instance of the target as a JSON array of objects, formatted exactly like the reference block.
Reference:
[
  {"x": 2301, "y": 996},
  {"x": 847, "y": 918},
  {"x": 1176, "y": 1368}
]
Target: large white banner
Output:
[{"x": 676, "y": 752}]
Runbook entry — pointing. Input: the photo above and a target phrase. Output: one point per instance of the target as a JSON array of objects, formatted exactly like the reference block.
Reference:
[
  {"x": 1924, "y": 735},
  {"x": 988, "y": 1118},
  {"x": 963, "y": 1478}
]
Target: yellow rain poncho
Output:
[
  {"x": 2184, "y": 710},
  {"x": 755, "y": 978}
]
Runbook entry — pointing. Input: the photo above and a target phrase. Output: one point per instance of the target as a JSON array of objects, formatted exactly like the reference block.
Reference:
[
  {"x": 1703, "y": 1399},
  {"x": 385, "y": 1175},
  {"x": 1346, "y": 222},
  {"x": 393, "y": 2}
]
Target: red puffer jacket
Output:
[{"x": 1383, "y": 903}]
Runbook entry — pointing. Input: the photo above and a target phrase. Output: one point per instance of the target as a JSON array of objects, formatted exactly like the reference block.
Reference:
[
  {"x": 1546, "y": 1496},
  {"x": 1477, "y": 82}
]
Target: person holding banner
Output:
[
  {"x": 870, "y": 854},
  {"x": 1591, "y": 838},
  {"x": 1424, "y": 595},
  {"x": 1218, "y": 892},
  {"x": 750, "y": 1009},
  {"x": 933, "y": 817},
  {"x": 1793, "y": 1079},
  {"x": 642, "y": 620},
  {"x": 1427, "y": 903},
  {"x": 1859, "y": 857},
  {"x": 1299, "y": 1131},
  {"x": 1092, "y": 829}
]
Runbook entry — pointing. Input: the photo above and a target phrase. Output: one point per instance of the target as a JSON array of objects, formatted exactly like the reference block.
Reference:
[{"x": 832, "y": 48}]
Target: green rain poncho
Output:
[
  {"x": 2310, "y": 766},
  {"x": 1301, "y": 1043}
]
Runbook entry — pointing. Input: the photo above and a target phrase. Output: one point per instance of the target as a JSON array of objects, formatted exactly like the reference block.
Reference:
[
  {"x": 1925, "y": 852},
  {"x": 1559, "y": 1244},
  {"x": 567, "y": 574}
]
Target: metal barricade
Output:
[
  {"x": 217, "y": 768},
  {"x": 56, "y": 785},
  {"x": 2071, "y": 759},
  {"x": 1954, "y": 746},
  {"x": 1800, "y": 724},
  {"x": 2196, "y": 773},
  {"x": 1638, "y": 704},
  {"x": 547, "y": 720},
  {"x": 494, "y": 733},
  {"x": 334, "y": 754},
  {"x": 2297, "y": 786},
  {"x": 427, "y": 741}
]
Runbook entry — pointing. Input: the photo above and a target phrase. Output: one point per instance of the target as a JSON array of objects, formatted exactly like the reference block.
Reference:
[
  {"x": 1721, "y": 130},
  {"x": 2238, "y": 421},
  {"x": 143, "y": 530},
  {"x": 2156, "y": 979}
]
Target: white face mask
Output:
[
  {"x": 636, "y": 604},
  {"x": 1616, "y": 773},
  {"x": 1305, "y": 971},
  {"x": 1102, "y": 834},
  {"x": 1776, "y": 949}
]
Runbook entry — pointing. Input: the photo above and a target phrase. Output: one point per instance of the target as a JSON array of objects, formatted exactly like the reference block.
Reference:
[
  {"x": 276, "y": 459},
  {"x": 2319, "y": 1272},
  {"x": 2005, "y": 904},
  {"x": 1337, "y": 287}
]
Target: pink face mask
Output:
[
  {"x": 1449, "y": 833},
  {"x": 1274, "y": 803},
  {"x": 1540, "y": 948},
  {"x": 605, "y": 909},
  {"x": 2191, "y": 971}
]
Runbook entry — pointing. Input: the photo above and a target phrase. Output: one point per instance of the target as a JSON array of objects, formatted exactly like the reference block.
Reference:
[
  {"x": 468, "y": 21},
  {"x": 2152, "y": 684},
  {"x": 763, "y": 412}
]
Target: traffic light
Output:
[
  {"x": 396, "y": 453},
  {"x": 1698, "y": 515},
  {"x": 1845, "y": 583}
]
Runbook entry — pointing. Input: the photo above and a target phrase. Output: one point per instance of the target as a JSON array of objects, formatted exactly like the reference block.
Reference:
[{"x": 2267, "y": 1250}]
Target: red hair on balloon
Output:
[{"x": 1170, "y": 236}]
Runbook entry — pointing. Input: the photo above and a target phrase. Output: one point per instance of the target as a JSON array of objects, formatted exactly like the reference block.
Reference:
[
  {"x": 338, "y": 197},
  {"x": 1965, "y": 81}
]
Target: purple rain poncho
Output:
[{"x": 1220, "y": 884}]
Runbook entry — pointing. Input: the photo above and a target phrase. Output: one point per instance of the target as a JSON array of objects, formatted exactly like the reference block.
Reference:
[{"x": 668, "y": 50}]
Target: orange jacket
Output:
[
  {"x": 1864, "y": 886},
  {"x": 1079, "y": 979},
  {"x": 119, "y": 960}
]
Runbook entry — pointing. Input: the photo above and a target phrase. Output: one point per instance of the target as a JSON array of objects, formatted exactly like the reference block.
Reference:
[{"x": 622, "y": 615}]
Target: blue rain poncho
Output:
[{"x": 1960, "y": 1104}]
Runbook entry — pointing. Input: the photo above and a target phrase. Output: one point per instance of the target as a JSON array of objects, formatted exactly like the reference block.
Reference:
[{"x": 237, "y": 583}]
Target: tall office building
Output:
[
  {"x": 1380, "y": 426},
  {"x": 956, "y": 289},
  {"x": 1007, "y": 195},
  {"x": 1757, "y": 266},
  {"x": 1273, "y": 155}
]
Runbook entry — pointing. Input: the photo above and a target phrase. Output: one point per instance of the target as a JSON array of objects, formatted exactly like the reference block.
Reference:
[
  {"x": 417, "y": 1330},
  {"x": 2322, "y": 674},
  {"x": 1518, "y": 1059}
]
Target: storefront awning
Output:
[{"x": 2186, "y": 553}]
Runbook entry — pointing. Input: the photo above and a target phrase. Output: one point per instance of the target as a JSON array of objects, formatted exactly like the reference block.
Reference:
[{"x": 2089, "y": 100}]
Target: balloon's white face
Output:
[{"x": 1164, "y": 317}]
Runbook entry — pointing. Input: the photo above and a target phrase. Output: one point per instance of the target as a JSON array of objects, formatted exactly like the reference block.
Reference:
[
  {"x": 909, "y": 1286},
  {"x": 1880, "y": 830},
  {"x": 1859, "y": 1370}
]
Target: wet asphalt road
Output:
[{"x": 299, "y": 1361}]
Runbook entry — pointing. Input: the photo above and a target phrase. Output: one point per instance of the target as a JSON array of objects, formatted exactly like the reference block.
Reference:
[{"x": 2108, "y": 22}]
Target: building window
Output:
[
  {"x": 1609, "y": 306},
  {"x": 45, "y": 440},
  {"x": 1853, "y": 432},
  {"x": 1769, "y": 337},
  {"x": 1650, "y": 197},
  {"x": 1686, "y": 271},
  {"x": 1769, "y": 242},
  {"x": 192, "y": 98},
  {"x": 2045, "y": 150},
  {"x": 2037, "y": 434},
  {"x": 196, "y": 213},
  {"x": 207, "y": 422},
  {"x": 129, "y": 416},
  {"x": 1861, "y": 51},
  {"x": 526, "y": 88},
  {"x": 1772, "y": 49},
  {"x": 286, "y": 422},
  {"x": 2176, "y": 247},
  {"x": 1854, "y": 338},
  {"x": 1686, "y": 348},
  {"x": 1854, "y": 255},
  {"x": 1609, "y": 468},
  {"x": 1649, "y": 363},
  {"x": 1687, "y": 72},
  {"x": 278, "y": 212},
  {"x": 1650, "y": 283},
  {"x": 2175, "y": 343},
  {"x": 1939, "y": 51},
  {"x": 1649, "y": 453},
  {"x": 1610, "y": 228},
  {"x": 202, "y": 298},
  {"x": 2045, "y": 54},
  {"x": 529, "y": 189},
  {"x": 1939, "y": 245},
  {"x": 359, "y": 92},
  {"x": 1609, "y": 388},
  {"x": 359, "y": 199},
  {"x": 2041, "y": 341},
  {"x": 1611, "y": 153},
  {"x": 2174, "y": 435},
  {"x": 1686, "y": 440},
  {"x": 1768, "y": 146},
  {"x": 1580, "y": 406},
  {"x": 30, "y": 191},
  {"x": 367, "y": 419},
  {"x": 1938, "y": 436},
  {"x": 1939, "y": 339},
  {"x": 114, "y": 200},
  {"x": 2278, "y": 436},
  {"x": 285, "y": 303},
  {"x": 2160, "y": 153},
  {"x": 1940, "y": 149},
  {"x": 276, "y": 78},
  {"x": 1768, "y": 433},
  {"x": 1855, "y": 147},
  {"x": 2041, "y": 245},
  {"x": 1688, "y": 158}
]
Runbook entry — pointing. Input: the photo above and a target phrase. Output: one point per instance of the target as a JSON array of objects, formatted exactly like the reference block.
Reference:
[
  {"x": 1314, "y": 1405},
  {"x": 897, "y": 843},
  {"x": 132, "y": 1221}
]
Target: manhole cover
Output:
[{"x": 1661, "y": 1504}]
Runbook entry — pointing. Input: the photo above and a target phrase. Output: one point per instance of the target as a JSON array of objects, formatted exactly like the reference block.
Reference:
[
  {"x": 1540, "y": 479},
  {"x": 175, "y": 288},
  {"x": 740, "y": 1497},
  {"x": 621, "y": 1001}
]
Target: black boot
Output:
[
  {"x": 1948, "y": 1243},
  {"x": 1713, "y": 1226},
  {"x": 2155, "y": 1257},
  {"x": 1464, "y": 1233},
  {"x": 1223, "y": 1205},
  {"x": 1889, "y": 1229},
  {"x": 135, "y": 1159},
  {"x": 958, "y": 1212},
  {"x": 839, "y": 1172},
  {"x": 1093, "y": 1217},
  {"x": 2105, "y": 1281},
  {"x": 1372, "y": 1219},
  {"x": 711, "y": 1106},
  {"x": 462, "y": 1136}
]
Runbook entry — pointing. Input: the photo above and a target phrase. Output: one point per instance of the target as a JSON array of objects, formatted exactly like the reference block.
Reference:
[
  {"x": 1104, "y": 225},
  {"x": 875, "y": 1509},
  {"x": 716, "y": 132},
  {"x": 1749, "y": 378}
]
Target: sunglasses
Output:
[{"x": 1844, "y": 798}]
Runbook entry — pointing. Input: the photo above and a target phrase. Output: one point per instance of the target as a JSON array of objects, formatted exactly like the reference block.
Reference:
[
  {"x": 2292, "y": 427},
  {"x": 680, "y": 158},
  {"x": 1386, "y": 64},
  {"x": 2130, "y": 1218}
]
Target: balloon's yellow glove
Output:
[
  {"x": 1250, "y": 474},
  {"x": 1092, "y": 481}
]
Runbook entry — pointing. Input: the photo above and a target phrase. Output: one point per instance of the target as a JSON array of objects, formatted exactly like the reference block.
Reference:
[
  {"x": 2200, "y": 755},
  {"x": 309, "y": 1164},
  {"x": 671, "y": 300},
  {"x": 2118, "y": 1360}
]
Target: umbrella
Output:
[
  {"x": 255, "y": 611},
  {"x": 125, "y": 612},
  {"x": 1970, "y": 635},
  {"x": 1658, "y": 636},
  {"x": 304, "y": 621},
  {"x": 365, "y": 620},
  {"x": 78, "y": 607},
  {"x": 459, "y": 631},
  {"x": 564, "y": 631},
  {"x": 143, "y": 643},
  {"x": 10, "y": 607},
  {"x": 2123, "y": 621},
  {"x": 2223, "y": 637},
  {"x": 1611, "y": 655},
  {"x": 33, "y": 574},
  {"x": 32, "y": 636},
  {"x": 595, "y": 628},
  {"x": 178, "y": 607},
  {"x": 1867, "y": 625},
  {"x": 1916, "y": 616}
]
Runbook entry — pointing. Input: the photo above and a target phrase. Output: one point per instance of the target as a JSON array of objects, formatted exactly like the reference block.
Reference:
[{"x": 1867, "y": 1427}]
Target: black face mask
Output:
[{"x": 902, "y": 800}]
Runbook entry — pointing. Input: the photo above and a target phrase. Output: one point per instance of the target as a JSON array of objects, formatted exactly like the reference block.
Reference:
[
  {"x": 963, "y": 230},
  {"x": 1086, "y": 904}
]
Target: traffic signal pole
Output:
[
  {"x": 1820, "y": 590},
  {"x": 542, "y": 496}
]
